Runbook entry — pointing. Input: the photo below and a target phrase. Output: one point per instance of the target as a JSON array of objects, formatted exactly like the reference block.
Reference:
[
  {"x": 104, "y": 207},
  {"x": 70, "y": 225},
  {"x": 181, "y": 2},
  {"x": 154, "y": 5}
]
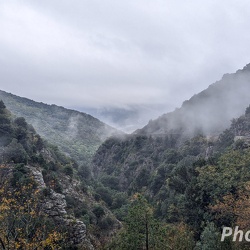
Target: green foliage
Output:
[
  {"x": 75, "y": 133},
  {"x": 231, "y": 172},
  {"x": 110, "y": 181},
  {"x": 21, "y": 176},
  {"x": 226, "y": 139},
  {"x": 182, "y": 179},
  {"x": 247, "y": 112},
  {"x": 210, "y": 238},
  {"x": 139, "y": 226},
  {"x": 6, "y": 128},
  {"x": 15, "y": 152},
  {"x": 185, "y": 185},
  {"x": 86, "y": 219},
  {"x": 119, "y": 199},
  {"x": 142, "y": 231},
  {"x": 2, "y": 106},
  {"x": 68, "y": 170},
  {"x": 106, "y": 223},
  {"x": 21, "y": 151},
  {"x": 85, "y": 172},
  {"x": 143, "y": 178},
  {"x": 105, "y": 194},
  {"x": 76, "y": 207},
  {"x": 20, "y": 122},
  {"x": 98, "y": 211},
  {"x": 121, "y": 212}
]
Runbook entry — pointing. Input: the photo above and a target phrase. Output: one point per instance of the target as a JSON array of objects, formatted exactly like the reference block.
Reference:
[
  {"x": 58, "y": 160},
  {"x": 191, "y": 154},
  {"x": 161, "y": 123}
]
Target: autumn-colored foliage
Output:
[
  {"x": 23, "y": 225},
  {"x": 236, "y": 206}
]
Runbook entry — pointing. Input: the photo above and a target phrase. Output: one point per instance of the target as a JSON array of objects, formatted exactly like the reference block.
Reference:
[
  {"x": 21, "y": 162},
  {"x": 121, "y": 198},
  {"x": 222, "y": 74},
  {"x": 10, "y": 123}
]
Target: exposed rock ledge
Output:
[{"x": 55, "y": 205}]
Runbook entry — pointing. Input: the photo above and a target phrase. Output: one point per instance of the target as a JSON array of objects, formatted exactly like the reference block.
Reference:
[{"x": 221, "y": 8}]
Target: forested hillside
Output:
[
  {"x": 208, "y": 112},
  {"x": 45, "y": 200},
  {"x": 75, "y": 133},
  {"x": 193, "y": 187},
  {"x": 174, "y": 184}
]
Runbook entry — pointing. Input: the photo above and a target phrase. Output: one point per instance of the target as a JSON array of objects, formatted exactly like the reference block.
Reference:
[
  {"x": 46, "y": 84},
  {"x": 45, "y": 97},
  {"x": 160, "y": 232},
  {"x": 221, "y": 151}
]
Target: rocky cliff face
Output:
[{"x": 54, "y": 206}]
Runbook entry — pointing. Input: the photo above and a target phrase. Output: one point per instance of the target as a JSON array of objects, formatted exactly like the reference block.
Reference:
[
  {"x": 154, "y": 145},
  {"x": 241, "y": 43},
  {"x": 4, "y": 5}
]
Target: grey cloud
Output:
[{"x": 120, "y": 54}]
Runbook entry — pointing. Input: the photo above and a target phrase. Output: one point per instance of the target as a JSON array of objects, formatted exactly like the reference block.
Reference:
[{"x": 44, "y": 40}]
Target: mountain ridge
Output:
[
  {"x": 77, "y": 134},
  {"x": 209, "y": 111}
]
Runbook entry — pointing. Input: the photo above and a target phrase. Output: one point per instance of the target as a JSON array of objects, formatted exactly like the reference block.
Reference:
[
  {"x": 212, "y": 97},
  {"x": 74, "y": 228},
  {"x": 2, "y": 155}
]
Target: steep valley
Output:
[
  {"x": 174, "y": 184},
  {"x": 75, "y": 133}
]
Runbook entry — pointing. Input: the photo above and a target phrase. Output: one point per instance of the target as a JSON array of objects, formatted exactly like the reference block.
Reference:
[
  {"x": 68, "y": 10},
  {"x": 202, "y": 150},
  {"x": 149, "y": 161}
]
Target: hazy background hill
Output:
[
  {"x": 128, "y": 118},
  {"x": 77, "y": 134},
  {"x": 208, "y": 112}
]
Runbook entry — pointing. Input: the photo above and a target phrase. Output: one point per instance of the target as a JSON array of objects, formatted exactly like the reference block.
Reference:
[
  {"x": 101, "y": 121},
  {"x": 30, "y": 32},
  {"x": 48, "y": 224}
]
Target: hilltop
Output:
[
  {"x": 208, "y": 112},
  {"x": 75, "y": 133}
]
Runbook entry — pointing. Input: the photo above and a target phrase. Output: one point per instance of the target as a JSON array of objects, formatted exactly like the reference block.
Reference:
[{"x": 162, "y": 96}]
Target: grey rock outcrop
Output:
[
  {"x": 54, "y": 205},
  {"x": 37, "y": 176}
]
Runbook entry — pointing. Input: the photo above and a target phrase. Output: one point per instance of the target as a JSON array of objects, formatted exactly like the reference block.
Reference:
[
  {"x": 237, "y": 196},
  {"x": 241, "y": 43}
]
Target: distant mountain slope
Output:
[
  {"x": 75, "y": 133},
  {"x": 210, "y": 111}
]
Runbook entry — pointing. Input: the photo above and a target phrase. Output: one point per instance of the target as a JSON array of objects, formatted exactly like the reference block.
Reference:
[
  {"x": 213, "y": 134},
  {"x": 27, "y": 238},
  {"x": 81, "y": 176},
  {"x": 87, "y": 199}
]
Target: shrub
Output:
[
  {"x": 106, "y": 223},
  {"x": 68, "y": 170},
  {"x": 84, "y": 171},
  {"x": 15, "y": 152},
  {"x": 110, "y": 181},
  {"x": 105, "y": 195},
  {"x": 98, "y": 211}
]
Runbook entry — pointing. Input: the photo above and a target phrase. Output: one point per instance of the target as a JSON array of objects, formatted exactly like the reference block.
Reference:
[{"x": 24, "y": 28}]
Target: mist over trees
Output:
[
  {"x": 200, "y": 183},
  {"x": 75, "y": 133},
  {"x": 209, "y": 112},
  {"x": 174, "y": 184}
]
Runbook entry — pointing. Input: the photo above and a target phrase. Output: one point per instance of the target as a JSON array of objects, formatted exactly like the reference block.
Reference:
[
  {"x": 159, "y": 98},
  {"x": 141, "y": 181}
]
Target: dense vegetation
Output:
[
  {"x": 170, "y": 192},
  {"x": 74, "y": 133},
  {"x": 23, "y": 225},
  {"x": 200, "y": 183},
  {"x": 173, "y": 184},
  {"x": 43, "y": 192}
]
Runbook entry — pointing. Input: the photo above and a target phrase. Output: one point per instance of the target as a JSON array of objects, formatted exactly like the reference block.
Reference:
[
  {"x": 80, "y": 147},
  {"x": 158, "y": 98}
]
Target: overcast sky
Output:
[{"x": 113, "y": 53}]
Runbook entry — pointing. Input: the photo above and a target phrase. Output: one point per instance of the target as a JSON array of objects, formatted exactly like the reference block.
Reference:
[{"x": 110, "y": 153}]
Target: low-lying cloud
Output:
[{"x": 97, "y": 54}]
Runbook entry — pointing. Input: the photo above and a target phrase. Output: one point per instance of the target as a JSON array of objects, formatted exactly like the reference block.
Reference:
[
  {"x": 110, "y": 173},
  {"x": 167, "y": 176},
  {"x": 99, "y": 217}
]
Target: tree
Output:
[
  {"x": 20, "y": 121},
  {"x": 236, "y": 207},
  {"x": 6, "y": 129},
  {"x": 15, "y": 152},
  {"x": 98, "y": 211},
  {"x": 68, "y": 170},
  {"x": 210, "y": 238},
  {"x": 177, "y": 236},
  {"x": 23, "y": 225},
  {"x": 138, "y": 225},
  {"x": 234, "y": 210},
  {"x": 2, "y": 105},
  {"x": 247, "y": 112},
  {"x": 142, "y": 231}
]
